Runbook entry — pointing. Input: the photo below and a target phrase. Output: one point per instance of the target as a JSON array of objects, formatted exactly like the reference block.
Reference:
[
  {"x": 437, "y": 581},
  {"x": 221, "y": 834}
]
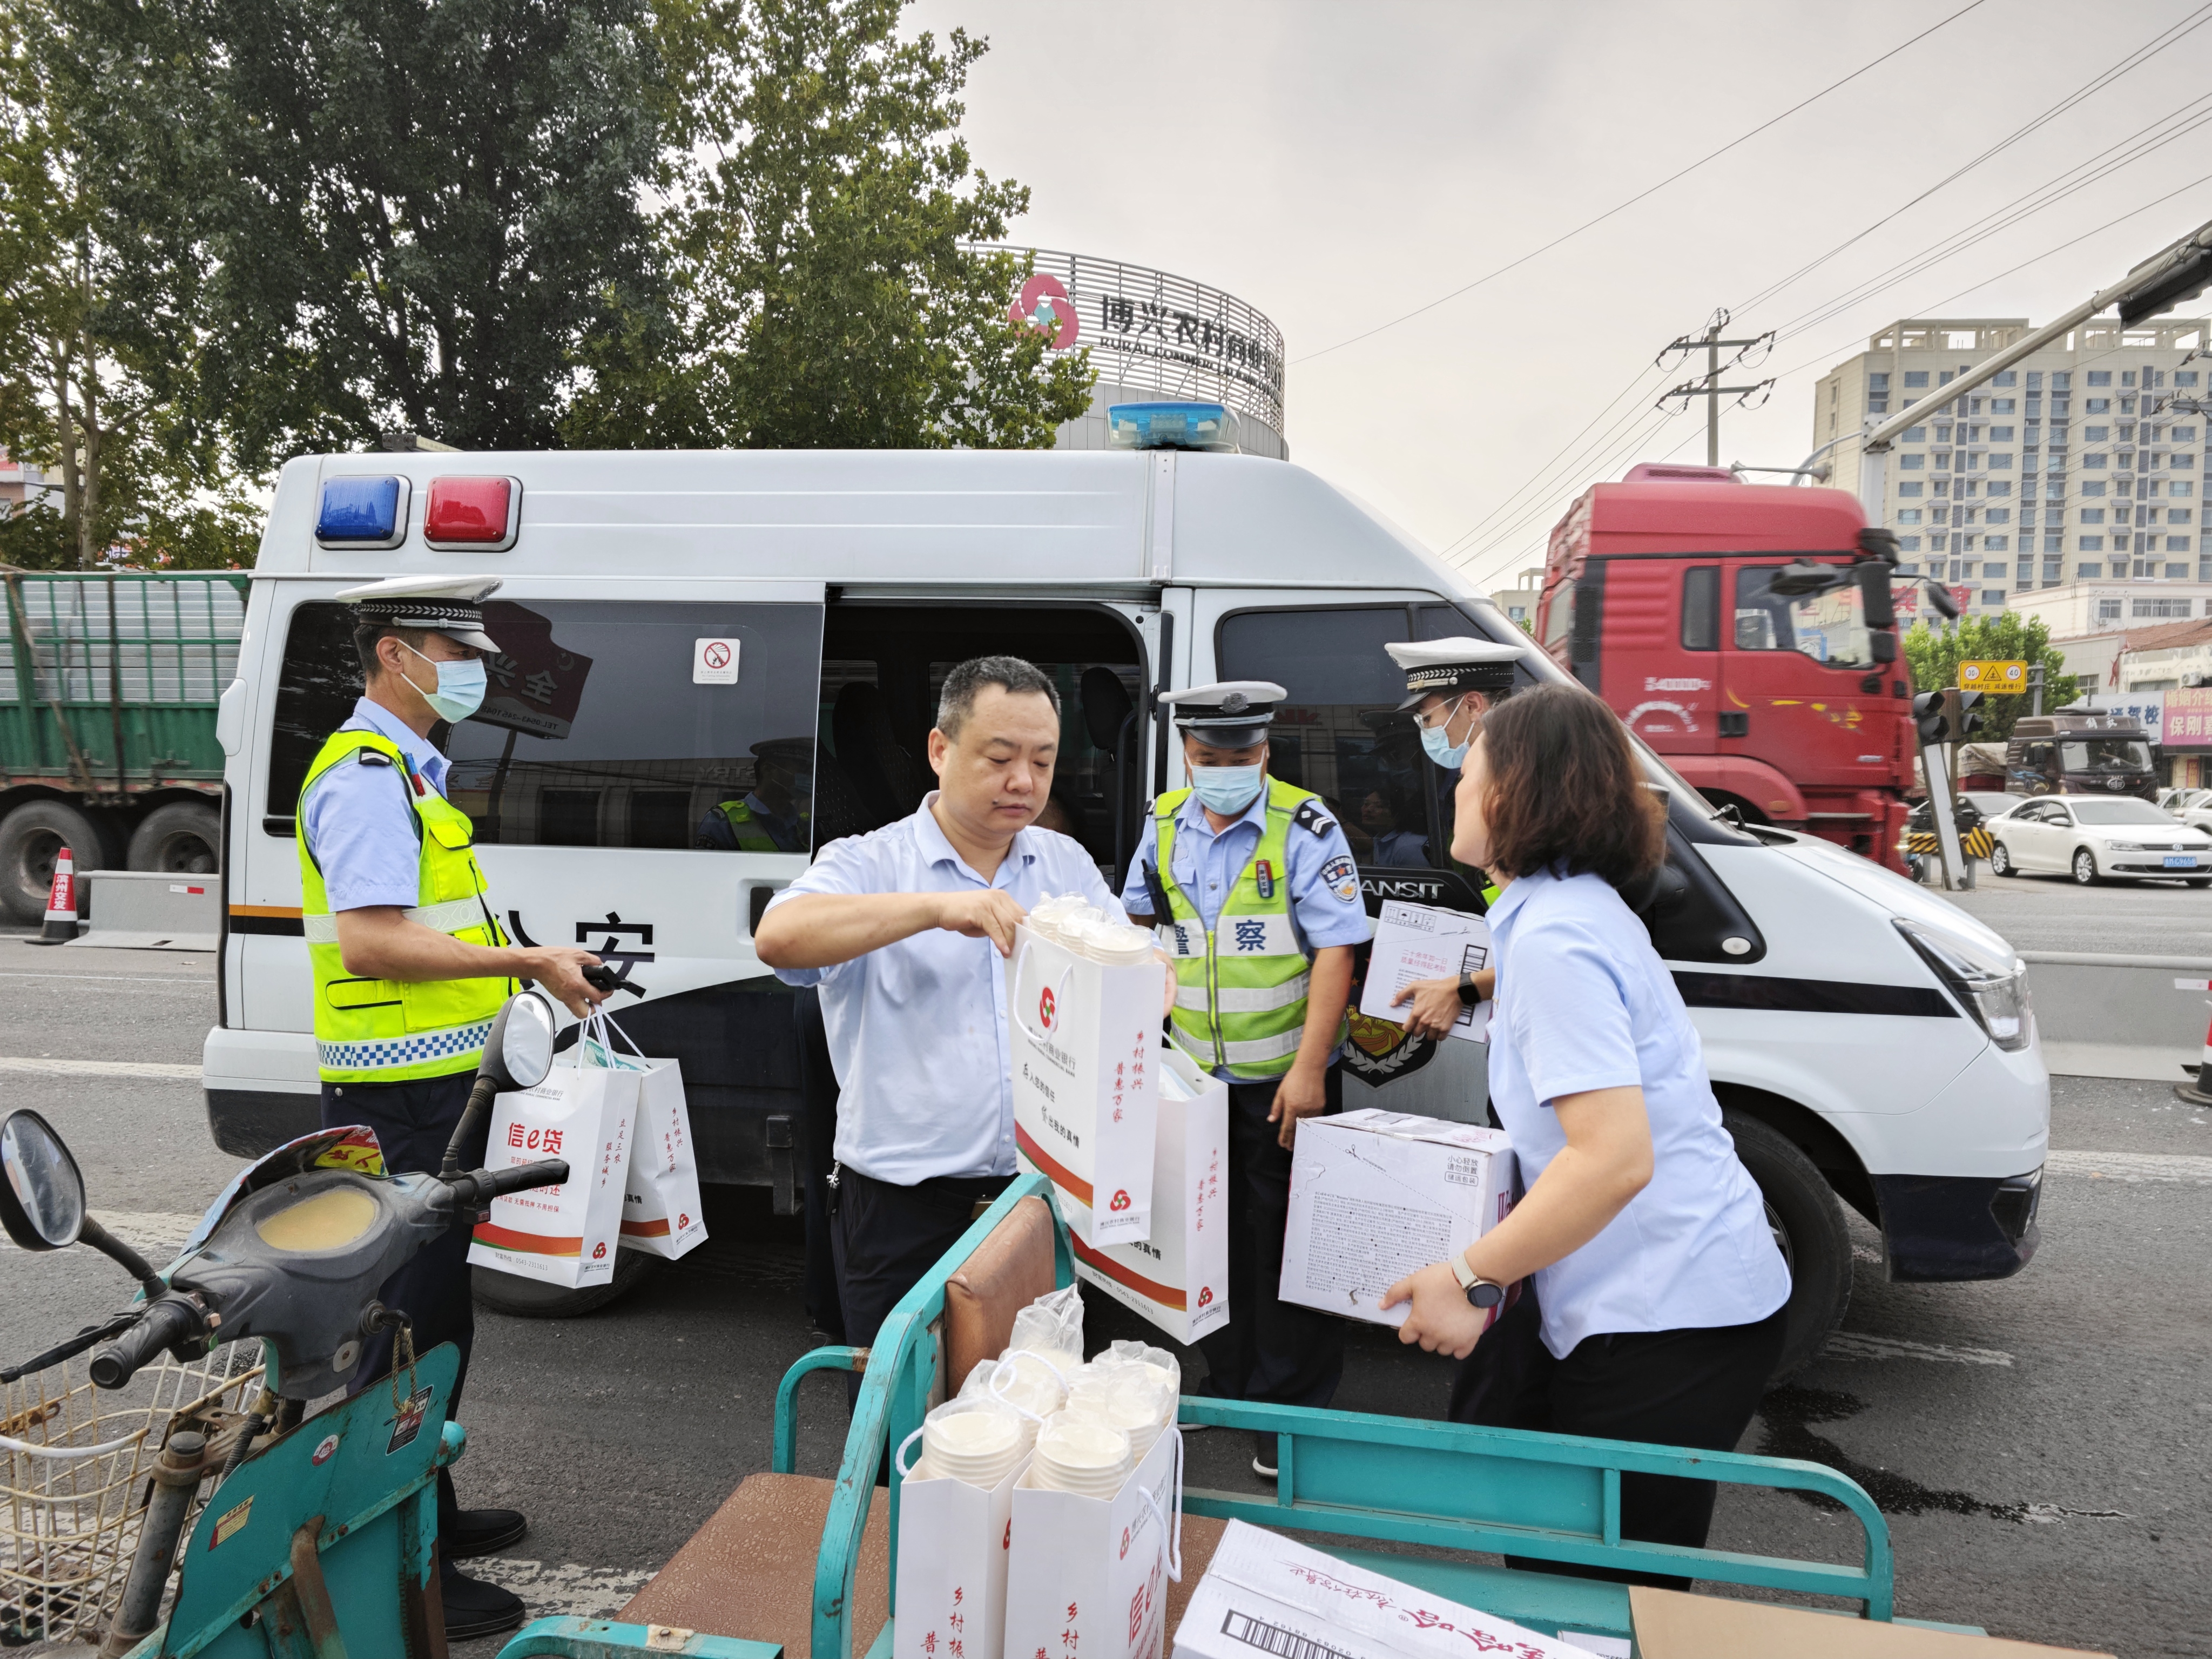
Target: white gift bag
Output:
[
  {"x": 1178, "y": 1278},
  {"x": 1087, "y": 1578},
  {"x": 584, "y": 1113},
  {"x": 952, "y": 1556},
  {"x": 660, "y": 1201},
  {"x": 1086, "y": 1037}
]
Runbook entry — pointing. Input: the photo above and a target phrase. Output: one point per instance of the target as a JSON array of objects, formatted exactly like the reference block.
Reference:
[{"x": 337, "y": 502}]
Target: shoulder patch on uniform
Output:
[
  {"x": 372, "y": 758},
  {"x": 1341, "y": 877},
  {"x": 1310, "y": 815}
]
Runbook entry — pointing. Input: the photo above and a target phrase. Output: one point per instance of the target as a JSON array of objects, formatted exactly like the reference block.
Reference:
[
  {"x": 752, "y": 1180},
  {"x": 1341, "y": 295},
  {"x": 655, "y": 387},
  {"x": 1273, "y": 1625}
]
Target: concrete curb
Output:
[{"x": 2140, "y": 1018}]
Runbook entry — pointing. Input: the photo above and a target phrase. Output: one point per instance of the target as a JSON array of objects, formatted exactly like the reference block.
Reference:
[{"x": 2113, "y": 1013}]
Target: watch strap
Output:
[{"x": 1468, "y": 995}]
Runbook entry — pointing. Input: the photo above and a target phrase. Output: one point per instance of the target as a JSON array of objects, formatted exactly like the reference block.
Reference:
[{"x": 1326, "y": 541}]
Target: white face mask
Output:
[
  {"x": 460, "y": 690},
  {"x": 1227, "y": 789}
]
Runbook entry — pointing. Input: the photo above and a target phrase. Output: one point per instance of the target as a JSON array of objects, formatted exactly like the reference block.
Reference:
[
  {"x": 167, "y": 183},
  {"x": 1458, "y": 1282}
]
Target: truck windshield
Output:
[
  {"x": 1829, "y": 628},
  {"x": 2106, "y": 755}
]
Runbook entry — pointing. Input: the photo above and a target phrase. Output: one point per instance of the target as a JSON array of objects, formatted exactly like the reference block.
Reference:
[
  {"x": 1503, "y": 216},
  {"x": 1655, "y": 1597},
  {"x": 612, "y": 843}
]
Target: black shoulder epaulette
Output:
[
  {"x": 372, "y": 758},
  {"x": 1310, "y": 815}
]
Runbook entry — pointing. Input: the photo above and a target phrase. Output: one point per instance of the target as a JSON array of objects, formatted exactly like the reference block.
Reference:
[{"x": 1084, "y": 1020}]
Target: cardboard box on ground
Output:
[{"x": 1375, "y": 1195}]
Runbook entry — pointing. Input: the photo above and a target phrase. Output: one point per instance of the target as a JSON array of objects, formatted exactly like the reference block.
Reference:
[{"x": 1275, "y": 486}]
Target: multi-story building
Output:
[
  {"x": 22, "y": 485},
  {"x": 2071, "y": 469},
  {"x": 1519, "y": 601}
]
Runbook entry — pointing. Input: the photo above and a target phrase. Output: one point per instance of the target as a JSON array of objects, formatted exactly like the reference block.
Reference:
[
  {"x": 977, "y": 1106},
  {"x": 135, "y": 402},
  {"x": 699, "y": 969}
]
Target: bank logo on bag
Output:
[
  {"x": 599, "y": 1251},
  {"x": 1205, "y": 1296},
  {"x": 1121, "y": 1200},
  {"x": 1047, "y": 1008}
]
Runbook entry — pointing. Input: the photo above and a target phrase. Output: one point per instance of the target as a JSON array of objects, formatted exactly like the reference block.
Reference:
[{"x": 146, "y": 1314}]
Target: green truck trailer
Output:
[{"x": 108, "y": 686}]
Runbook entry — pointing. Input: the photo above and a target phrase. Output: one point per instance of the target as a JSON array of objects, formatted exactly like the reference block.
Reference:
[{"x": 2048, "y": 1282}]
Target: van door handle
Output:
[
  {"x": 757, "y": 894},
  {"x": 1736, "y": 723}
]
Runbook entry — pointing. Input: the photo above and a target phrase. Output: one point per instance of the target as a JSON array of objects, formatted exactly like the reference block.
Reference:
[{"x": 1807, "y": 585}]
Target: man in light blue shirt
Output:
[{"x": 905, "y": 931}]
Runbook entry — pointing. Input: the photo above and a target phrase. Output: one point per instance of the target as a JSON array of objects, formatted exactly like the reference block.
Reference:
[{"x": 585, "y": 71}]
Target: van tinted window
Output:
[{"x": 593, "y": 732}]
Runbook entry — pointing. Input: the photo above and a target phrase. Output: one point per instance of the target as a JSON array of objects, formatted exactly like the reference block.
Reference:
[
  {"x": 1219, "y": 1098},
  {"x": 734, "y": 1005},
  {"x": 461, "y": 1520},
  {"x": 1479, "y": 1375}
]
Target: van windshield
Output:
[
  {"x": 2106, "y": 755},
  {"x": 1830, "y": 628}
]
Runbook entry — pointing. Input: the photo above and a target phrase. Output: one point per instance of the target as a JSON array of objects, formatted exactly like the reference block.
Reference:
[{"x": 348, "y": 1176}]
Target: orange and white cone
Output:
[
  {"x": 2199, "y": 1093},
  {"x": 61, "y": 903}
]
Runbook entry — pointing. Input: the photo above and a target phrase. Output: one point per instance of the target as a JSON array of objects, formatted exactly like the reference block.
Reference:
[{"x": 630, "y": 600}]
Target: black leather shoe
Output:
[
  {"x": 475, "y": 1607},
  {"x": 479, "y": 1532}
]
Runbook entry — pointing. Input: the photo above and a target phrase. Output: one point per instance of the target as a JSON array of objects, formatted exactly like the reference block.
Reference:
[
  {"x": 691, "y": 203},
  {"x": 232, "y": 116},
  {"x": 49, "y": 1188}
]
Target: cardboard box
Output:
[
  {"x": 1672, "y": 1626},
  {"x": 1178, "y": 1279},
  {"x": 1265, "y": 1597},
  {"x": 1375, "y": 1195},
  {"x": 1086, "y": 1041}
]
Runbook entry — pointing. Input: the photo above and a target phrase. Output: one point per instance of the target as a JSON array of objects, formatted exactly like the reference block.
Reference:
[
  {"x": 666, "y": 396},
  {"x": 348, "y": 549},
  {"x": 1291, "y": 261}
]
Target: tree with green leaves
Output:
[
  {"x": 1933, "y": 655},
  {"x": 821, "y": 289}
]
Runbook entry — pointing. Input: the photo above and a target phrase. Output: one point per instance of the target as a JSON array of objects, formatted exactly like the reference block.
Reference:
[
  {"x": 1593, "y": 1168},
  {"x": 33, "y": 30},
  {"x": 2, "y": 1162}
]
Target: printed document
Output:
[{"x": 1416, "y": 941}]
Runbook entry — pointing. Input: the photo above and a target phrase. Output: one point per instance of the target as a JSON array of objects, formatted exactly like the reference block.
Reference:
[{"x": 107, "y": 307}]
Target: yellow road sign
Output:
[{"x": 2001, "y": 677}]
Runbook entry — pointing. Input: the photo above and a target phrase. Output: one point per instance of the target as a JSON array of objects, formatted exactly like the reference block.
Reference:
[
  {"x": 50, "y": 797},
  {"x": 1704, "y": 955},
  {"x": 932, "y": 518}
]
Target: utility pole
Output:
[{"x": 1712, "y": 391}]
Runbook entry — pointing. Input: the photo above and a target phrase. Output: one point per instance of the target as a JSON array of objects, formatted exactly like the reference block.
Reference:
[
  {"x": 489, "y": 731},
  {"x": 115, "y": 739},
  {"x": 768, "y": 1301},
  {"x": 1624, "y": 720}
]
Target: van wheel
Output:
[
  {"x": 1807, "y": 1219},
  {"x": 2085, "y": 868},
  {"x": 31, "y": 838},
  {"x": 526, "y": 1298},
  {"x": 181, "y": 838},
  {"x": 2001, "y": 862}
]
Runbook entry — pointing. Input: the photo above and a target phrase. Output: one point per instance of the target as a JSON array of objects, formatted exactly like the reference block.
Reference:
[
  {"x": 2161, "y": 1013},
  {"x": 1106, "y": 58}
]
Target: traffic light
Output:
[
  {"x": 1971, "y": 715},
  {"x": 1931, "y": 714}
]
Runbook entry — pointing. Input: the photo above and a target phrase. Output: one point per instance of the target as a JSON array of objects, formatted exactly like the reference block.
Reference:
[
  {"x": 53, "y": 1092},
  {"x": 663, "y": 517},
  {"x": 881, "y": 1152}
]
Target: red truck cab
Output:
[{"x": 1660, "y": 595}]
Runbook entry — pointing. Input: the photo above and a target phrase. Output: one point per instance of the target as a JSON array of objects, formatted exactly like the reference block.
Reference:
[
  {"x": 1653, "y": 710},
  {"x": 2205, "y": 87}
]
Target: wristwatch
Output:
[
  {"x": 1468, "y": 996},
  {"x": 1481, "y": 1293}
]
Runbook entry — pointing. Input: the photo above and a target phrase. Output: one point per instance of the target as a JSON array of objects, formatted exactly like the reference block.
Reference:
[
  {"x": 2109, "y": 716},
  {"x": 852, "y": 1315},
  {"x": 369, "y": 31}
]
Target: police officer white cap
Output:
[
  {"x": 1231, "y": 714},
  {"x": 452, "y": 605},
  {"x": 1447, "y": 667}
]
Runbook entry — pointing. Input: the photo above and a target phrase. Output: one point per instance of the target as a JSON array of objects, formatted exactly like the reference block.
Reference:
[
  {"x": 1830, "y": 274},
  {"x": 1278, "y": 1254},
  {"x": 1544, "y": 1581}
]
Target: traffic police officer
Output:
[
  {"x": 766, "y": 818},
  {"x": 410, "y": 966},
  {"x": 1450, "y": 684},
  {"x": 1257, "y": 899}
]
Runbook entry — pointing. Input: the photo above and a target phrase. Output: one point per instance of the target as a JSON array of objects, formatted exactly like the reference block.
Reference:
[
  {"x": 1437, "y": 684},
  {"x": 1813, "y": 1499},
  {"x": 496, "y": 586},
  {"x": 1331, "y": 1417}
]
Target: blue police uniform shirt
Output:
[
  {"x": 360, "y": 825},
  {"x": 717, "y": 835},
  {"x": 1585, "y": 1002},
  {"x": 917, "y": 1029},
  {"x": 1326, "y": 908}
]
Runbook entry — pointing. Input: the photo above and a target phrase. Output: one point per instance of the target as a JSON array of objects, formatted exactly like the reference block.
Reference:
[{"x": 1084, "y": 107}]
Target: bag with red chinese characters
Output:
[
  {"x": 660, "y": 1204},
  {"x": 586, "y": 1111}
]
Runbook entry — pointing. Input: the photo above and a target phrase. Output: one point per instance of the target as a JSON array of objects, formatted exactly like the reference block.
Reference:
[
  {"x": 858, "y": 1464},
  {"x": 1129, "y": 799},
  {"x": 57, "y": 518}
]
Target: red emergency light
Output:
[{"x": 477, "y": 515}]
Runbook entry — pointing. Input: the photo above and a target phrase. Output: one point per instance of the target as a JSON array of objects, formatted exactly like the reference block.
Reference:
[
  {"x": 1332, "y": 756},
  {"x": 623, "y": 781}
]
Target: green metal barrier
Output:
[{"x": 1387, "y": 1480}]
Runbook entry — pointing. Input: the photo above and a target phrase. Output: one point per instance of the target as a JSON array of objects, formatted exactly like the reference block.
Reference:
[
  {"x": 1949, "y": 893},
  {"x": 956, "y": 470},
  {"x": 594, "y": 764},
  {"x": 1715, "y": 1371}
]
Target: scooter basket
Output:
[{"x": 75, "y": 1472}]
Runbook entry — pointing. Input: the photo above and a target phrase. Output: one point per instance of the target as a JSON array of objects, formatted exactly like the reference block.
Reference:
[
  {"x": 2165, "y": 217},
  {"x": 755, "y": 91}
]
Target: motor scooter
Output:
[{"x": 319, "y": 1535}]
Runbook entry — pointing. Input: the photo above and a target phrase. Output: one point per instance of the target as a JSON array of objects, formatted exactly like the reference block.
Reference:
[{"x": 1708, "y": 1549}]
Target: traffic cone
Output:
[
  {"x": 2199, "y": 1093},
  {"x": 61, "y": 903}
]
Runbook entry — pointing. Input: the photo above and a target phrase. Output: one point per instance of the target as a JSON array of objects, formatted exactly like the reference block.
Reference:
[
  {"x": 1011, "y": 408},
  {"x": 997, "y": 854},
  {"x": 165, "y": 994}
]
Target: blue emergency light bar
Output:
[
  {"x": 1209, "y": 426},
  {"x": 364, "y": 512}
]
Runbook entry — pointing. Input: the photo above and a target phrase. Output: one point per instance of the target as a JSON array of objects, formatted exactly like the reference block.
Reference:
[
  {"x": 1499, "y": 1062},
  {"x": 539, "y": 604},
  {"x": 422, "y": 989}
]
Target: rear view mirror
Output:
[
  {"x": 1801, "y": 580},
  {"x": 519, "y": 1052},
  {"x": 1875, "y": 597},
  {"x": 41, "y": 1190},
  {"x": 1940, "y": 598}
]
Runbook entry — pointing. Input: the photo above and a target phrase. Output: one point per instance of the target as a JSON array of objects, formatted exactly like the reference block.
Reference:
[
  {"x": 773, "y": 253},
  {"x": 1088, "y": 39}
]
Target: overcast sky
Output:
[{"x": 1339, "y": 165}]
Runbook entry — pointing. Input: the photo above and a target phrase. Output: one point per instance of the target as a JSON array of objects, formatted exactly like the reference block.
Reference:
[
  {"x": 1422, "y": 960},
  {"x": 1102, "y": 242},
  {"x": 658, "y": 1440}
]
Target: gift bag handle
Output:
[
  {"x": 1170, "y": 1543},
  {"x": 1005, "y": 1367},
  {"x": 1015, "y": 1004},
  {"x": 898, "y": 1458}
]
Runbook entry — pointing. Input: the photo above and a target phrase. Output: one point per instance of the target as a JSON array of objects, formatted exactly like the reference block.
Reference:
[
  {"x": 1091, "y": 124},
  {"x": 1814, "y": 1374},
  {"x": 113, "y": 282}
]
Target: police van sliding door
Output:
[
  {"x": 641, "y": 776},
  {"x": 1338, "y": 734}
]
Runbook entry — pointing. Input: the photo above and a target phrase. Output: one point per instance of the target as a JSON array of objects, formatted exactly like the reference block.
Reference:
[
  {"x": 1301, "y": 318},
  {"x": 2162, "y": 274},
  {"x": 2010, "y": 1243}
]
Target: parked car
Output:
[
  {"x": 2192, "y": 807},
  {"x": 2094, "y": 840}
]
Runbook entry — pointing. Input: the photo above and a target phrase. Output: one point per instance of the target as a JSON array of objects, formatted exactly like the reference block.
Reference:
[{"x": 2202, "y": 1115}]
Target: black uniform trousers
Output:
[
  {"x": 818, "y": 1145},
  {"x": 1271, "y": 1350},
  {"x": 413, "y": 1122},
  {"x": 886, "y": 1236},
  {"x": 1688, "y": 1387}
]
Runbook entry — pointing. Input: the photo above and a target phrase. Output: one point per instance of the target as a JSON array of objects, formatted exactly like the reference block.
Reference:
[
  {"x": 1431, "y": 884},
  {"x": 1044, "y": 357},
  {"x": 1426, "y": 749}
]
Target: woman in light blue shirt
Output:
[{"x": 1659, "y": 1290}]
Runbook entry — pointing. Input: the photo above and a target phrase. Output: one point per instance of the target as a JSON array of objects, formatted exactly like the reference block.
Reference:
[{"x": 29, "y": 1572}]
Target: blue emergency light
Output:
[
  {"x": 1209, "y": 426},
  {"x": 364, "y": 512}
]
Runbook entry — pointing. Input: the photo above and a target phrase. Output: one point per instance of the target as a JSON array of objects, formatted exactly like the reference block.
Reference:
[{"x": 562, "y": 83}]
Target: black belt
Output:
[{"x": 973, "y": 1194}]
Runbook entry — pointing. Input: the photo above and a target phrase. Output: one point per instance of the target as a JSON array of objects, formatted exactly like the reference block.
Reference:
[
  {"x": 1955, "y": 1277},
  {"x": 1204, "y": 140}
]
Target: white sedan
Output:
[{"x": 2093, "y": 839}]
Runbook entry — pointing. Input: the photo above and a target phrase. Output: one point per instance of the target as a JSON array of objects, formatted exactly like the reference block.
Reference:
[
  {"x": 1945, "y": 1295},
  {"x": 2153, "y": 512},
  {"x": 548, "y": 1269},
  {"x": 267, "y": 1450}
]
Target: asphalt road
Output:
[
  {"x": 2039, "y": 1444},
  {"x": 2050, "y": 913}
]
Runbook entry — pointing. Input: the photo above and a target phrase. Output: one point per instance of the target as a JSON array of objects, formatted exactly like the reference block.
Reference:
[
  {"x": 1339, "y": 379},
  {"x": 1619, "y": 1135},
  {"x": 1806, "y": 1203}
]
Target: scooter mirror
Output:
[
  {"x": 41, "y": 1190},
  {"x": 519, "y": 1052}
]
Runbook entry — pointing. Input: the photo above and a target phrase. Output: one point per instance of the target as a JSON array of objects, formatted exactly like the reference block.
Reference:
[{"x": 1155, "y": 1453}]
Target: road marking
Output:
[
  {"x": 2176, "y": 1169},
  {"x": 53, "y": 1067},
  {"x": 196, "y": 981},
  {"x": 563, "y": 1591},
  {"x": 1863, "y": 1345}
]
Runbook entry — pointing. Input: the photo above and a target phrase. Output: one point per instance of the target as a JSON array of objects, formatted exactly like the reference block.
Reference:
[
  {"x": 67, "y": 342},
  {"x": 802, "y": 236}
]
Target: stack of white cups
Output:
[
  {"x": 977, "y": 1441},
  {"x": 1077, "y": 1452}
]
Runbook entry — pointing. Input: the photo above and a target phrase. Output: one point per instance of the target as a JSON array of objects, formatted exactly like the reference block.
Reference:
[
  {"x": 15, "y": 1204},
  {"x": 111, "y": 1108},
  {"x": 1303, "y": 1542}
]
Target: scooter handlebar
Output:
[
  {"x": 167, "y": 1322},
  {"x": 546, "y": 1172}
]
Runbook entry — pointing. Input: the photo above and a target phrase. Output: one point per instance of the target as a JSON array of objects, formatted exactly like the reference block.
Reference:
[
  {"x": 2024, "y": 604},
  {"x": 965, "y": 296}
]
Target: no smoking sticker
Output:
[{"x": 713, "y": 662}]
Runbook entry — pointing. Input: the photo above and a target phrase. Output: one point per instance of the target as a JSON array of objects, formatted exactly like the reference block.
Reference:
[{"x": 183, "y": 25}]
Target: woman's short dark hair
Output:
[{"x": 1565, "y": 792}]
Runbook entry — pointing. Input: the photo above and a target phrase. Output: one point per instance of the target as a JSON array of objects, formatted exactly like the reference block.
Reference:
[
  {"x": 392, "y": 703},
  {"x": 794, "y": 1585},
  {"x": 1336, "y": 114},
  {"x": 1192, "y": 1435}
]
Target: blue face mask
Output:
[
  {"x": 1227, "y": 789},
  {"x": 1438, "y": 747},
  {"x": 460, "y": 690}
]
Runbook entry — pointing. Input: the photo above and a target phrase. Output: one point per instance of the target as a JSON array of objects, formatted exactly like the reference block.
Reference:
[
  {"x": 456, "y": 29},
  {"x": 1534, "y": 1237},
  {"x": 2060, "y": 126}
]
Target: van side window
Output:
[
  {"x": 1339, "y": 733},
  {"x": 598, "y": 727},
  {"x": 1701, "y": 608}
]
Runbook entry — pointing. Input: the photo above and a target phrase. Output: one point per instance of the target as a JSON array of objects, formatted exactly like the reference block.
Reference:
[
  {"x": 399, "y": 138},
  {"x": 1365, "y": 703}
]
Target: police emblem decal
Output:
[{"x": 1341, "y": 877}]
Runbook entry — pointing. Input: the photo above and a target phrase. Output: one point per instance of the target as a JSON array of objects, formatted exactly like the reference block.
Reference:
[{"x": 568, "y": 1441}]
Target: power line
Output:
[{"x": 1622, "y": 207}]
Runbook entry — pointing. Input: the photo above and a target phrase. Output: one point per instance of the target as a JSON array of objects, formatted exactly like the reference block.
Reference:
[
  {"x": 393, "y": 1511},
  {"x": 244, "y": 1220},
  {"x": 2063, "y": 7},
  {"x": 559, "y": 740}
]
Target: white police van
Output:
[{"x": 686, "y": 630}]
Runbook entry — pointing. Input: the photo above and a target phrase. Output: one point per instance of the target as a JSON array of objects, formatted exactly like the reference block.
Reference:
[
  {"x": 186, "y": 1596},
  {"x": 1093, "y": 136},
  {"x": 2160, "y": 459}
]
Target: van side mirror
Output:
[
  {"x": 1875, "y": 598},
  {"x": 41, "y": 1189}
]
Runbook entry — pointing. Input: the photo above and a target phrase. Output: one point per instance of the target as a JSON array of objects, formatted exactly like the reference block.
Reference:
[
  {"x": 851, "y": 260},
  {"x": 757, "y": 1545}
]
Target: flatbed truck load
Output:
[{"x": 109, "y": 683}]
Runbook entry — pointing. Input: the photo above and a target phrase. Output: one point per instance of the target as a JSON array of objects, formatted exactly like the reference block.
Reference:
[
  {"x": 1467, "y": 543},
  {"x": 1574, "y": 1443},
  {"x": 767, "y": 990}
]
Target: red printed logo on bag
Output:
[
  {"x": 1125, "y": 1543},
  {"x": 681, "y": 1221},
  {"x": 1047, "y": 1008},
  {"x": 1204, "y": 1294},
  {"x": 1007, "y": 1538},
  {"x": 1120, "y": 1200},
  {"x": 599, "y": 1250}
]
